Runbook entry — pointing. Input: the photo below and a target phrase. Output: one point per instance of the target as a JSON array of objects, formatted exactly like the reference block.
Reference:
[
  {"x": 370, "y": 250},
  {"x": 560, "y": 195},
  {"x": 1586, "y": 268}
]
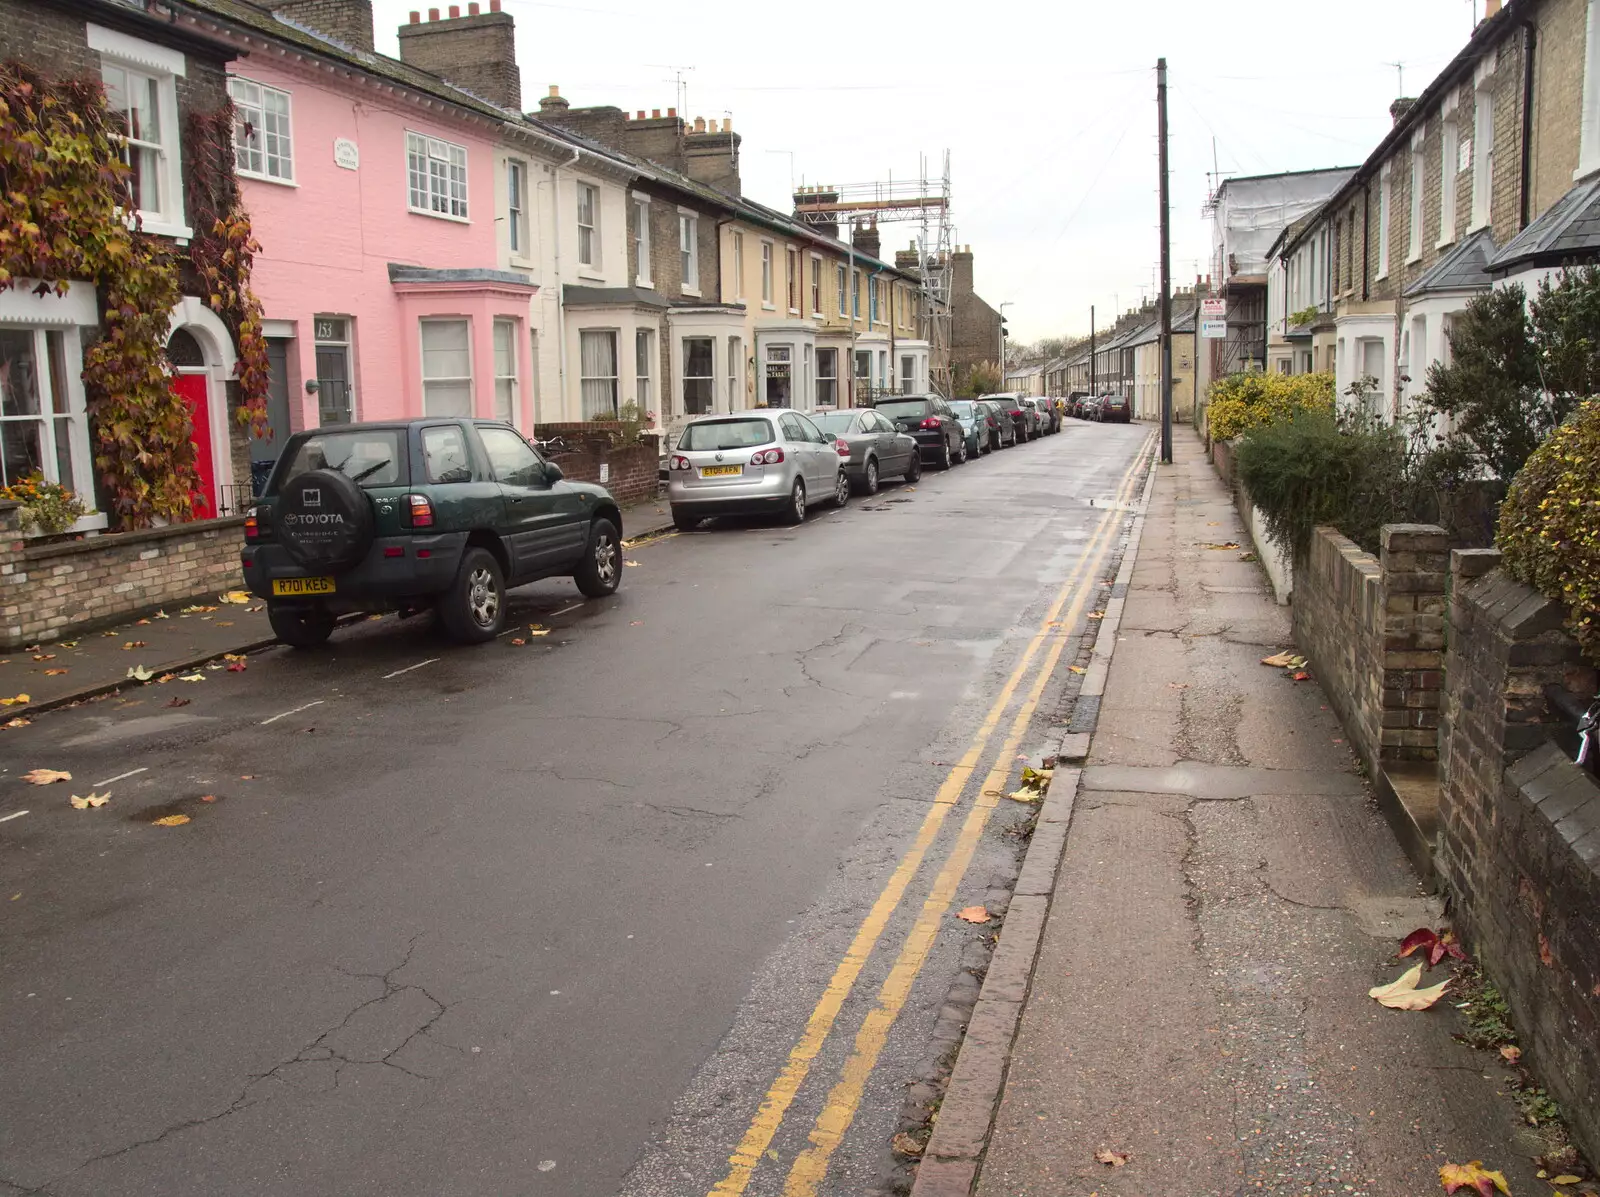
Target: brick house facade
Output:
[{"x": 974, "y": 325}]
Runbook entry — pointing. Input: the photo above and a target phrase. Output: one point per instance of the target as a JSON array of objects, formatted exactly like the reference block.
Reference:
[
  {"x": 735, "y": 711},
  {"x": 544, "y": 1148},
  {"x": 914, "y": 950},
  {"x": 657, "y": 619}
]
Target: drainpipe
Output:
[
  {"x": 561, "y": 291},
  {"x": 1366, "y": 236},
  {"x": 1530, "y": 38},
  {"x": 870, "y": 290},
  {"x": 850, "y": 297}
]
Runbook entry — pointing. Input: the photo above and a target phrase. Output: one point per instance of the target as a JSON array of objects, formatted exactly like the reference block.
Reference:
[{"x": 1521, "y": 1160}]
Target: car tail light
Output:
[
  {"x": 421, "y": 511},
  {"x": 393, "y": 550},
  {"x": 842, "y": 449},
  {"x": 769, "y": 457},
  {"x": 680, "y": 462},
  {"x": 931, "y": 422},
  {"x": 252, "y": 526}
]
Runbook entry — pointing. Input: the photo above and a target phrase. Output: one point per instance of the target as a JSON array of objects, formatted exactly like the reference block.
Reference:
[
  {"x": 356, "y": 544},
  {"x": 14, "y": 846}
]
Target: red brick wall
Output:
[{"x": 629, "y": 473}]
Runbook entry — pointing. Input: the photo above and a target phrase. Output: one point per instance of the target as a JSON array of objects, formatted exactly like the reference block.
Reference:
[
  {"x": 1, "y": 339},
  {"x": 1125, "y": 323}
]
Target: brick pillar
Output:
[
  {"x": 13, "y": 573},
  {"x": 1413, "y": 561}
]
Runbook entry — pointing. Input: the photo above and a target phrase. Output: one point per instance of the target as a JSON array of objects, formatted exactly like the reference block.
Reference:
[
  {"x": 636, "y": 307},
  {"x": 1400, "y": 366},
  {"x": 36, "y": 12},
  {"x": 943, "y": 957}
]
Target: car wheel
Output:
[
  {"x": 869, "y": 480},
  {"x": 914, "y": 470},
  {"x": 945, "y": 460},
  {"x": 473, "y": 610},
  {"x": 841, "y": 491},
  {"x": 300, "y": 627},
  {"x": 961, "y": 452},
  {"x": 794, "y": 511},
  {"x": 599, "y": 571},
  {"x": 683, "y": 521}
]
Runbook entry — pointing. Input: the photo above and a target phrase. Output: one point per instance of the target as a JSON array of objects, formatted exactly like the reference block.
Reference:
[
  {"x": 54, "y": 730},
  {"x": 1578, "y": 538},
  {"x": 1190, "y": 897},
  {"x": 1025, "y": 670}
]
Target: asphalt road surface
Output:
[{"x": 660, "y": 902}]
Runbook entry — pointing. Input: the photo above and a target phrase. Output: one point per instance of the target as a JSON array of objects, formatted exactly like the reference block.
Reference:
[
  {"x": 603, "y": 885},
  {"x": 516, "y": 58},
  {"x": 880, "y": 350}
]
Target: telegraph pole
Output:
[
  {"x": 1166, "y": 267},
  {"x": 1094, "y": 389}
]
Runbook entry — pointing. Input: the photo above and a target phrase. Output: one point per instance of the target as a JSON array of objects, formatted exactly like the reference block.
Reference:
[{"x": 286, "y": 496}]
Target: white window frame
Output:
[
  {"x": 791, "y": 279},
  {"x": 1589, "y": 135},
  {"x": 766, "y": 274},
  {"x": 588, "y": 247},
  {"x": 640, "y": 232},
  {"x": 816, "y": 285},
  {"x": 254, "y": 112},
  {"x": 508, "y": 383},
  {"x": 1384, "y": 216},
  {"x": 709, "y": 378},
  {"x": 844, "y": 287},
  {"x": 832, "y": 380},
  {"x": 1482, "y": 158},
  {"x": 614, "y": 379},
  {"x": 689, "y": 254},
  {"x": 422, "y": 353},
  {"x": 738, "y": 264},
  {"x": 1449, "y": 168},
  {"x": 1419, "y": 179},
  {"x": 448, "y": 188},
  {"x": 517, "y": 209},
  {"x": 165, "y": 66},
  {"x": 75, "y": 417},
  {"x": 735, "y": 373}
]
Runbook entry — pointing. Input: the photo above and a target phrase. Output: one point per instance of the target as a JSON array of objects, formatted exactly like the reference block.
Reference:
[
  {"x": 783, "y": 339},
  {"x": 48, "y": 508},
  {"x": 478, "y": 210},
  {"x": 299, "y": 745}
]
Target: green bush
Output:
[
  {"x": 1550, "y": 522},
  {"x": 1240, "y": 402}
]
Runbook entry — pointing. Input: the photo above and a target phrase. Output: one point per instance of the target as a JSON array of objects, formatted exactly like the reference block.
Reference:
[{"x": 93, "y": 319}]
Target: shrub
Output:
[
  {"x": 47, "y": 508},
  {"x": 1240, "y": 402},
  {"x": 1550, "y": 522},
  {"x": 982, "y": 379}
]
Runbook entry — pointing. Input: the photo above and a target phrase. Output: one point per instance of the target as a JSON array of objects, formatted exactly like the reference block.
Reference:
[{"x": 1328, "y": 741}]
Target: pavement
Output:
[
  {"x": 661, "y": 902},
  {"x": 1226, "y": 895},
  {"x": 89, "y": 664}
]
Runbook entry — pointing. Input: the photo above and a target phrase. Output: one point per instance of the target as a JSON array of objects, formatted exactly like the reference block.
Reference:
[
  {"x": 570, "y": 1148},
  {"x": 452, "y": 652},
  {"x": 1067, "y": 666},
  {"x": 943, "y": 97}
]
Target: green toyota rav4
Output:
[{"x": 440, "y": 513}]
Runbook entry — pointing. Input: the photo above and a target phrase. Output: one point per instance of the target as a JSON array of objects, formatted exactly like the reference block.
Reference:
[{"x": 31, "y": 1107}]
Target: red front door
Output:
[{"x": 193, "y": 389}]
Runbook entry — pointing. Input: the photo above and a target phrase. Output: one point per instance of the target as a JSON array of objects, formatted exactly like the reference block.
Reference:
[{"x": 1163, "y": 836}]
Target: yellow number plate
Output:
[
  {"x": 719, "y": 471},
  {"x": 297, "y": 586}
]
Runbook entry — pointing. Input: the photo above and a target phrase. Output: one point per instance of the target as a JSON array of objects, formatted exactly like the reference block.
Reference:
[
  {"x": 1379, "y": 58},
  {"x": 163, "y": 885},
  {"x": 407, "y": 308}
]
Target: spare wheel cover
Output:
[{"x": 324, "y": 520}]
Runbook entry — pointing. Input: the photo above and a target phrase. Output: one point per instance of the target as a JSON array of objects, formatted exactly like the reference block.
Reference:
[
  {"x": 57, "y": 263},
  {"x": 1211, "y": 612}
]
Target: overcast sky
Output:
[{"x": 1047, "y": 109}]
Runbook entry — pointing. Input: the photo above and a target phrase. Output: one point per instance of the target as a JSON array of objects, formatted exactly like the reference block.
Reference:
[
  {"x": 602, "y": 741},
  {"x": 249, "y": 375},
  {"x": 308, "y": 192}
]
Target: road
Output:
[{"x": 657, "y": 903}]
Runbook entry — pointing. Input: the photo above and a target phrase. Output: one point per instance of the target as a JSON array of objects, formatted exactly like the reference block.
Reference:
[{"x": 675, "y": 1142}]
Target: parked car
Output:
[
  {"x": 1080, "y": 403},
  {"x": 753, "y": 462},
  {"x": 420, "y": 514},
  {"x": 1036, "y": 415},
  {"x": 1115, "y": 409},
  {"x": 1011, "y": 406},
  {"x": 1053, "y": 408},
  {"x": 877, "y": 449},
  {"x": 1002, "y": 432},
  {"x": 974, "y": 423},
  {"x": 940, "y": 437}
]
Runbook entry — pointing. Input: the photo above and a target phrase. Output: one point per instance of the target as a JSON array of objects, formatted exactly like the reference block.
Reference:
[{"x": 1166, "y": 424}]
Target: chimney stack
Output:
[
  {"x": 476, "y": 52},
  {"x": 826, "y": 223},
  {"x": 711, "y": 156},
  {"x": 1400, "y": 107},
  {"x": 346, "y": 21},
  {"x": 864, "y": 236}
]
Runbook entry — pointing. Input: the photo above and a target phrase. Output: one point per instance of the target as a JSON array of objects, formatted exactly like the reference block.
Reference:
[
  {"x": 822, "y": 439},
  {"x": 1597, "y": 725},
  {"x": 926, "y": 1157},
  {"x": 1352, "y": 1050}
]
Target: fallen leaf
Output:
[
  {"x": 630, "y": 563},
  {"x": 247, "y": 777},
  {"x": 1545, "y": 958},
  {"x": 237, "y": 597},
  {"x": 1567, "y": 1179},
  {"x": 110, "y": 633},
  {"x": 171, "y": 821},
  {"x": 257, "y": 607},
  {"x": 92, "y": 801},
  {"x": 237, "y": 667},
  {"x": 1096, "y": 615},
  {"x": 1279, "y": 660},
  {"x": 175, "y": 701},
  {"x": 140, "y": 674},
  {"x": 216, "y": 665},
  {"x": 44, "y": 656},
  {"x": 197, "y": 610},
  {"x": 1464, "y": 1176},
  {"x": 974, "y": 914},
  {"x": 1076, "y": 669},
  {"x": 43, "y": 777},
  {"x": 905, "y": 1144},
  {"x": 18, "y": 701},
  {"x": 141, "y": 623},
  {"x": 234, "y": 657},
  {"x": 19, "y": 721},
  {"x": 1111, "y": 1159},
  {"x": 1403, "y": 994},
  {"x": 1300, "y": 675},
  {"x": 69, "y": 644},
  {"x": 1224, "y": 544},
  {"x": 161, "y": 615},
  {"x": 133, "y": 644},
  {"x": 54, "y": 672},
  {"x": 222, "y": 623},
  {"x": 1438, "y": 944},
  {"x": 1025, "y": 795},
  {"x": 208, "y": 797},
  {"x": 1512, "y": 1054},
  {"x": 191, "y": 677},
  {"x": 518, "y": 642},
  {"x": 165, "y": 678}
]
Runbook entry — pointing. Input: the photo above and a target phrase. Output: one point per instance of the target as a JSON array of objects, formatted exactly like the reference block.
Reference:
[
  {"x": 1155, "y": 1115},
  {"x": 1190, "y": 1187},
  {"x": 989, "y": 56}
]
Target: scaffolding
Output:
[{"x": 925, "y": 202}]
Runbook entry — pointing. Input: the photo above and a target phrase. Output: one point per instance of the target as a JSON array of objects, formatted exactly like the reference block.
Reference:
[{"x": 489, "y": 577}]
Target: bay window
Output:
[
  {"x": 42, "y": 424},
  {"x": 505, "y": 371},
  {"x": 699, "y": 375},
  {"x": 644, "y": 350},
  {"x": 597, "y": 365},
  {"x": 446, "y": 368},
  {"x": 827, "y": 378}
]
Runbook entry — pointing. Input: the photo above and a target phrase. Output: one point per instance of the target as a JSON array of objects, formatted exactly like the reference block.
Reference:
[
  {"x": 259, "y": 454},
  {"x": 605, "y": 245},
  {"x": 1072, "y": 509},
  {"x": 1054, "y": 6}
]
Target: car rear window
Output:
[
  {"x": 836, "y": 422},
  {"x": 371, "y": 456},
  {"x": 904, "y": 409},
  {"x": 963, "y": 407},
  {"x": 725, "y": 434}
]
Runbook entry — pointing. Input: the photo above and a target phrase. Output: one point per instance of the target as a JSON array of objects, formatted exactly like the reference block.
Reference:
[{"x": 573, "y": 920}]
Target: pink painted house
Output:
[{"x": 374, "y": 189}]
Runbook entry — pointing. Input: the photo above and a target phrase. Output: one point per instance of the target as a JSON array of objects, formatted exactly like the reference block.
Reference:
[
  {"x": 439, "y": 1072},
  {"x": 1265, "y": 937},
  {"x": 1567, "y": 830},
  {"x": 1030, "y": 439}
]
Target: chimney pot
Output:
[
  {"x": 554, "y": 90},
  {"x": 433, "y": 14},
  {"x": 699, "y": 124},
  {"x": 672, "y": 113},
  {"x": 727, "y": 125},
  {"x": 455, "y": 11},
  {"x": 494, "y": 5},
  {"x": 416, "y": 17},
  {"x": 472, "y": 8},
  {"x": 640, "y": 117},
  {"x": 655, "y": 114}
]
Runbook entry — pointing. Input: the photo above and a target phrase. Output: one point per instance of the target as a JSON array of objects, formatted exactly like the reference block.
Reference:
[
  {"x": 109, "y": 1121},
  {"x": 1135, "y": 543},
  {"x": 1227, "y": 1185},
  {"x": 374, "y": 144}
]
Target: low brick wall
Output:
[
  {"x": 50, "y": 590},
  {"x": 1518, "y": 847},
  {"x": 1373, "y": 629},
  {"x": 631, "y": 473},
  {"x": 1277, "y": 564}
]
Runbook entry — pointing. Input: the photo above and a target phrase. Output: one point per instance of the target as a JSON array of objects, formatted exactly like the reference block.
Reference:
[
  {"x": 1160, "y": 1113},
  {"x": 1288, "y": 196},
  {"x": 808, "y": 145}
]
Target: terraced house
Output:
[{"x": 1491, "y": 176}]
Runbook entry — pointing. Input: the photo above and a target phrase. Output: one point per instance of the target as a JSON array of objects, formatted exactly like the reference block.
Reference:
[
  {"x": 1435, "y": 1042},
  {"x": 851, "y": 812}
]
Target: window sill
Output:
[
  {"x": 694, "y": 291},
  {"x": 586, "y": 272},
  {"x": 276, "y": 182},
  {"x": 521, "y": 263},
  {"x": 1445, "y": 242},
  {"x": 162, "y": 228},
  {"x": 439, "y": 215},
  {"x": 768, "y": 307},
  {"x": 1476, "y": 226},
  {"x": 647, "y": 284}
]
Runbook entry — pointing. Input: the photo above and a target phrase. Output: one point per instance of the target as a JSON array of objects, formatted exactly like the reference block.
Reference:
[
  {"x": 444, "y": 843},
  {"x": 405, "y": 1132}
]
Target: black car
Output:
[
  {"x": 441, "y": 514},
  {"x": 1011, "y": 406},
  {"x": 1078, "y": 405},
  {"x": 1002, "y": 433},
  {"x": 940, "y": 438}
]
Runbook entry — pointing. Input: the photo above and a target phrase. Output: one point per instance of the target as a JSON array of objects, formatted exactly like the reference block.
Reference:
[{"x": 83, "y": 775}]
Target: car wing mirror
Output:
[{"x": 553, "y": 473}]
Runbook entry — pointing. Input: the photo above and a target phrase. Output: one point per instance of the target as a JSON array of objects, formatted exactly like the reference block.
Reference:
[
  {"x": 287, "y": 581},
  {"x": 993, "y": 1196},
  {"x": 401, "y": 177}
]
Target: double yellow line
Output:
[{"x": 844, "y": 1099}]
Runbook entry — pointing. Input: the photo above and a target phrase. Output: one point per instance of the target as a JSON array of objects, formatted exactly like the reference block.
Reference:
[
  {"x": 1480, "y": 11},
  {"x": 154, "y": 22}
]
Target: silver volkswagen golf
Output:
[{"x": 750, "y": 462}]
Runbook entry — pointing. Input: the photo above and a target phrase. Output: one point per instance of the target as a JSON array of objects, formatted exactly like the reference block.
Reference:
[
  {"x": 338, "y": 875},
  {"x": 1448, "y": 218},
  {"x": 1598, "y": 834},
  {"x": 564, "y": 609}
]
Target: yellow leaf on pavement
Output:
[
  {"x": 93, "y": 800},
  {"x": 14, "y": 702},
  {"x": 1472, "y": 1176},
  {"x": 1025, "y": 795},
  {"x": 1403, "y": 994},
  {"x": 191, "y": 677},
  {"x": 1279, "y": 660},
  {"x": 54, "y": 672},
  {"x": 1567, "y": 1179},
  {"x": 140, "y": 674},
  {"x": 1111, "y": 1159},
  {"x": 171, "y": 821},
  {"x": 43, "y": 777},
  {"x": 974, "y": 914},
  {"x": 237, "y": 597}
]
